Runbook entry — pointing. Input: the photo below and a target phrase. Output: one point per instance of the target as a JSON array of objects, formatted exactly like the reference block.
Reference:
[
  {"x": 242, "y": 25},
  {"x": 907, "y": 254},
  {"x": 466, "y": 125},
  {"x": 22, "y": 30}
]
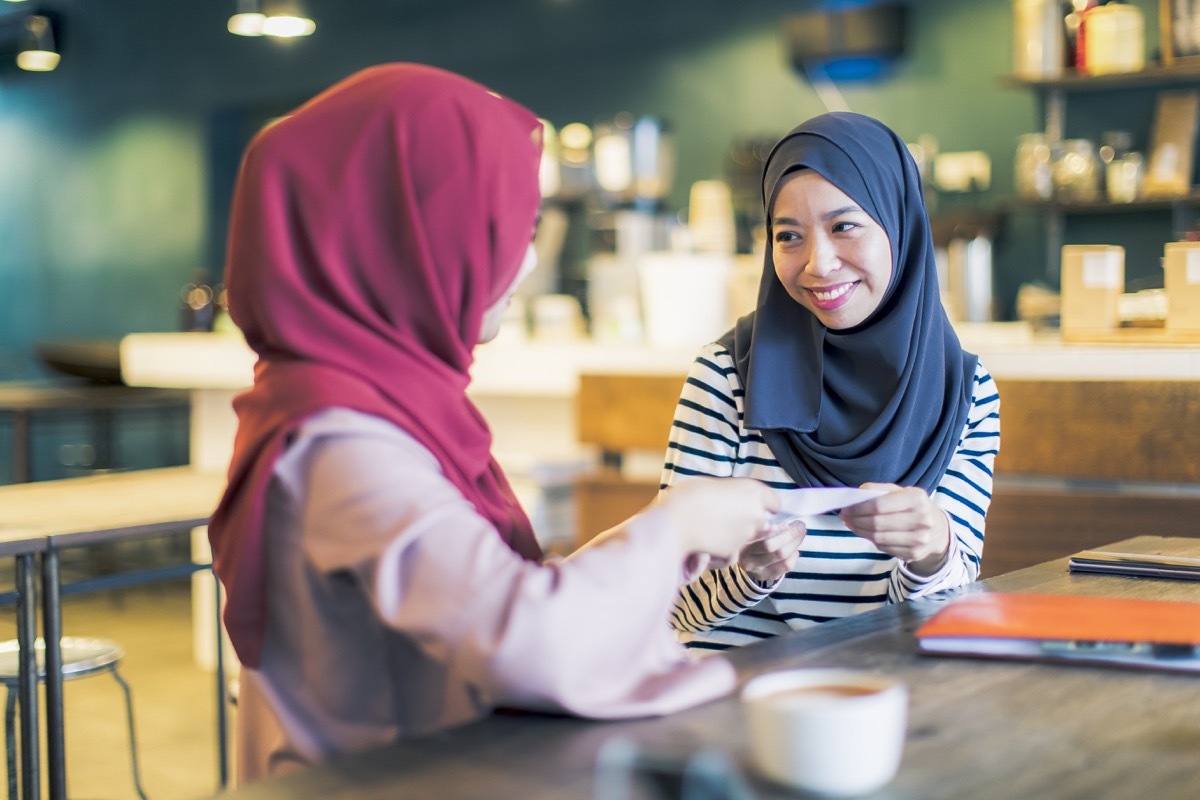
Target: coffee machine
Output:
[{"x": 604, "y": 188}]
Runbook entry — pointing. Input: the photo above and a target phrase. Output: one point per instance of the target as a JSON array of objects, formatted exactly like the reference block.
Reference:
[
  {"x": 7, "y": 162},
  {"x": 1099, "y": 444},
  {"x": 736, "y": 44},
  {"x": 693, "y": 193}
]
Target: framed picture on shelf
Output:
[{"x": 1180, "y": 35}]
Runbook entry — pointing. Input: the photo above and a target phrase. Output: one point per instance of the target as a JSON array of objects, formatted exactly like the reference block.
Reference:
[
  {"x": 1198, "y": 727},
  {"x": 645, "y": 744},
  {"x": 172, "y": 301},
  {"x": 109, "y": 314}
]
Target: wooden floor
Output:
[{"x": 174, "y": 700}]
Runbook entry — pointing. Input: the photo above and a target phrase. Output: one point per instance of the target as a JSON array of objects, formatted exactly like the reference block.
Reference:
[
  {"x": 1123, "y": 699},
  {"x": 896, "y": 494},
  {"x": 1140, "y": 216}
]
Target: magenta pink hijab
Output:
[{"x": 370, "y": 231}]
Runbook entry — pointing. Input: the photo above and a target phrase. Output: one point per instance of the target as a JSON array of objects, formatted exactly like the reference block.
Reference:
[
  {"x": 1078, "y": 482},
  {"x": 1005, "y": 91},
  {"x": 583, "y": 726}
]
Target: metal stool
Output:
[{"x": 81, "y": 657}]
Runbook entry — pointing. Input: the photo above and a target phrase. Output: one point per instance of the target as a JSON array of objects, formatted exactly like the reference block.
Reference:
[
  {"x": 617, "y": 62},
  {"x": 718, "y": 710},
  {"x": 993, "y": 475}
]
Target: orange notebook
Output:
[{"x": 1151, "y": 634}]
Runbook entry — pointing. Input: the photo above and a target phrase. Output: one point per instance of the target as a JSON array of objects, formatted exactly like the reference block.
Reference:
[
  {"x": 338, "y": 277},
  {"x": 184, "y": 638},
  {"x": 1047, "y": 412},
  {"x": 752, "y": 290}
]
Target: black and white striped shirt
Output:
[{"x": 838, "y": 573}]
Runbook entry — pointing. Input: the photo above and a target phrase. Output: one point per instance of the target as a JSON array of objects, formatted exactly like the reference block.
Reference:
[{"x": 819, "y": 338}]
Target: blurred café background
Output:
[
  {"x": 116, "y": 167},
  {"x": 1058, "y": 173}
]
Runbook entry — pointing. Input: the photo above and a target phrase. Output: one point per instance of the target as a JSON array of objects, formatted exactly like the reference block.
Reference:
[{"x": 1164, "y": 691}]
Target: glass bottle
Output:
[{"x": 1033, "y": 168}]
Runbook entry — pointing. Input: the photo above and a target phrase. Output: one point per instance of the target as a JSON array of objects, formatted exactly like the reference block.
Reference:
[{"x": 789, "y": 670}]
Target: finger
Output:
[
  {"x": 783, "y": 541},
  {"x": 784, "y": 565},
  {"x": 884, "y": 504},
  {"x": 767, "y": 571},
  {"x": 911, "y": 544},
  {"x": 761, "y": 558},
  {"x": 774, "y": 533},
  {"x": 770, "y": 498},
  {"x": 796, "y": 528},
  {"x": 897, "y": 499},
  {"x": 777, "y": 551},
  {"x": 883, "y": 535},
  {"x": 896, "y": 511},
  {"x": 787, "y": 543},
  {"x": 862, "y": 517},
  {"x": 760, "y": 567},
  {"x": 792, "y": 541}
]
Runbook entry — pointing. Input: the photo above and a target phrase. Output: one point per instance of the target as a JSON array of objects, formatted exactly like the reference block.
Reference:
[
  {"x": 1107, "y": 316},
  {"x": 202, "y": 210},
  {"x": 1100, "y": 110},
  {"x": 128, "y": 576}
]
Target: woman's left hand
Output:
[{"x": 904, "y": 523}]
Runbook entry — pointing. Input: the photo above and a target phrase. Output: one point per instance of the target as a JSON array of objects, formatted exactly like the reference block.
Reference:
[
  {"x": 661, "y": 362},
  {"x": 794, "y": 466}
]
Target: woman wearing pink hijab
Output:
[{"x": 382, "y": 581}]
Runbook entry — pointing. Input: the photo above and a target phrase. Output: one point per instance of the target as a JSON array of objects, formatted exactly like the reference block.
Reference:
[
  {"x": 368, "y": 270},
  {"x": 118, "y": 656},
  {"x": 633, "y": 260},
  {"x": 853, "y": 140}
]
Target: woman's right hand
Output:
[
  {"x": 769, "y": 557},
  {"x": 718, "y": 516}
]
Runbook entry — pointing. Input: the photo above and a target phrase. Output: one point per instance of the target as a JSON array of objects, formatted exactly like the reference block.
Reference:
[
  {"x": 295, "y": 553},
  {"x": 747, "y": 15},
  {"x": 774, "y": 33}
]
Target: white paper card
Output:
[
  {"x": 822, "y": 500},
  {"x": 1192, "y": 271},
  {"x": 1101, "y": 271}
]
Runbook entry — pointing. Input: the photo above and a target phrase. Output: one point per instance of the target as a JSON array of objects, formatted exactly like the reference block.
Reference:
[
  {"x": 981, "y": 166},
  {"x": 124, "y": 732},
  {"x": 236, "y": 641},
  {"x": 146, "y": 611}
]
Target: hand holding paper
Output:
[
  {"x": 769, "y": 557},
  {"x": 905, "y": 523}
]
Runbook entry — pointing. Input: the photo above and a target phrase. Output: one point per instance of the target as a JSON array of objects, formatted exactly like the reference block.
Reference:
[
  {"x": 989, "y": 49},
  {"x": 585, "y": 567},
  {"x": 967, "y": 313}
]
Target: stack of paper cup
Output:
[
  {"x": 557, "y": 316},
  {"x": 684, "y": 297},
  {"x": 710, "y": 217}
]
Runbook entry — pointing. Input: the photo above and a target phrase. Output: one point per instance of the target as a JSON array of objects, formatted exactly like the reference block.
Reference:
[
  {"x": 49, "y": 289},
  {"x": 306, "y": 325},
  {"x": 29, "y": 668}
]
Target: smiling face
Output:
[{"x": 829, "y": 254}]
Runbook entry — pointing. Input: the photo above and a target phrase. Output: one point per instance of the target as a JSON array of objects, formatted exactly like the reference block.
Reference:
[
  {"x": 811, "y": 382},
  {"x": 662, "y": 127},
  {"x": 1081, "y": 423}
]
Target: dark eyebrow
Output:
[{"x": 837, "y": 212}]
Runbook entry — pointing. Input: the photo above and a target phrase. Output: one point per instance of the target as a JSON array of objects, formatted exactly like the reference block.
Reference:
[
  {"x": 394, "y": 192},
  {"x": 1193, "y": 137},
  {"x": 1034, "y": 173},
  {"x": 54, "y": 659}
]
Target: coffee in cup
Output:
[{"x": 835, "y": 732}]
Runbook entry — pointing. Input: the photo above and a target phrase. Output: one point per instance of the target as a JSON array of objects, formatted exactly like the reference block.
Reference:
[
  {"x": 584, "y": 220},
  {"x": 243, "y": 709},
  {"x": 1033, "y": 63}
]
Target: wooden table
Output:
[
  {"x": 48, "y": 516},
  {"x": 977, "y": 729}
]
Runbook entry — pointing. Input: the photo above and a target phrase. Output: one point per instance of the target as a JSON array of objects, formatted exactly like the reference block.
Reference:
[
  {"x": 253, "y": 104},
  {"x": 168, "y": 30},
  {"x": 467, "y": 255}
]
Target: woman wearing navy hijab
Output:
[{"x": 848, "y": 373}]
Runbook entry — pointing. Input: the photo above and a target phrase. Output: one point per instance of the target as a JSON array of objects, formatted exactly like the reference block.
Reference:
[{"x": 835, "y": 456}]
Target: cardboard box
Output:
[
  {"x": 1176, "y": 115},
  {"x": 1093, "y": 278},
  {"x": 1182, "y": 281}
]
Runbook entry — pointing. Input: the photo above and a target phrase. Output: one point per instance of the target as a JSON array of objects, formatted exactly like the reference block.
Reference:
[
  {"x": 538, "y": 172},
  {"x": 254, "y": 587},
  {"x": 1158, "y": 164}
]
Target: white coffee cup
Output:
[{"x": 836, "y": 732}]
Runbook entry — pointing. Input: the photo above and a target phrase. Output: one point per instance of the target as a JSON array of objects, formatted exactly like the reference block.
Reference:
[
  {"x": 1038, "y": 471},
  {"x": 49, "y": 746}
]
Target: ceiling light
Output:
[
  {"x": 280, "y": 18},
  {"x": 286, "y": 18},
  {"x": 287, "y": 26},
  {"x": 249, "y": 19},
  {"x": 37, "y": 52}
]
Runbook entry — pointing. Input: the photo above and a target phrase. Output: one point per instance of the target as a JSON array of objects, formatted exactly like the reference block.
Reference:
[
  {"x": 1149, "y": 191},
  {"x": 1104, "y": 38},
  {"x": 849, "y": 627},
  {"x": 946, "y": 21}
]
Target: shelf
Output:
[
  {"x": 1054, "y": 94},
  {"x": 1149, "y": 77},
  {"x": 1139, "y": 336},
  {"x": 1102, "y": 206}
]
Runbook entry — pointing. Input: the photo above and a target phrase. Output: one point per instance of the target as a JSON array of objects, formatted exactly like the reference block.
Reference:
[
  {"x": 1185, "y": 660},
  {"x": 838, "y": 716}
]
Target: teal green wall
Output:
[{"x": 115, "y": 170}]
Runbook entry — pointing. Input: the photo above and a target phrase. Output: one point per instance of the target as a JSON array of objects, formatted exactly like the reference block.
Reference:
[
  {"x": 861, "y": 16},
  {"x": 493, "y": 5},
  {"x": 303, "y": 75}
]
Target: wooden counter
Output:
[
  {"x": 1082, "y": 462},
  {"x": 1085, "y": 462},
  {"x": 1098, "y": 442}
]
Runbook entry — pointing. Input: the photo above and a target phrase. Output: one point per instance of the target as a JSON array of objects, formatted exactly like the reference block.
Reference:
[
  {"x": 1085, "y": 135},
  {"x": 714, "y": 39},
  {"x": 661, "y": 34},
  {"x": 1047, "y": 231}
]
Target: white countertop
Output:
[
  {"x": 187, "y": 360},
  {"x": 552, "y": 368},
  {"x": 526, "y": 390}
]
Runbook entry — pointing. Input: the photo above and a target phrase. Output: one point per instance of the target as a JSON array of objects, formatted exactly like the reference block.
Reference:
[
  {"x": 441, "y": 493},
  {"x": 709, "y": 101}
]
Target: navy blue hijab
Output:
[{"x": 887, "y": 399}]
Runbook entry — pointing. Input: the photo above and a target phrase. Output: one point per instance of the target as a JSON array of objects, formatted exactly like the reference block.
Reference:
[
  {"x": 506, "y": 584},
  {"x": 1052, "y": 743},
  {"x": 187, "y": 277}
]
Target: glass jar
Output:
[
  {"x": 1038, "y": 38},
  {"x": 1115, "y": 40},
  {"x": 1033, "y": 169},
  {"x": 1076, "y": 172},
  {"x": 1124, "y": 178}
]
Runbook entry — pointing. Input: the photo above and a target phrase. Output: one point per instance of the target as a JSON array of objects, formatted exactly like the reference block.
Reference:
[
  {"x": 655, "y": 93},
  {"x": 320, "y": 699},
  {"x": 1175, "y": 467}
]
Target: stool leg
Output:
[
  {"x": 10, "y": 740},
  {"x": 27, "y": 677},
  {"x": 137, "y": 776}
]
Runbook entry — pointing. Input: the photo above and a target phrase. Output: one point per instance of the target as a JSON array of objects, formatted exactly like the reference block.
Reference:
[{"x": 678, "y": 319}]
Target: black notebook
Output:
[{"x": 1148, "y": 565}]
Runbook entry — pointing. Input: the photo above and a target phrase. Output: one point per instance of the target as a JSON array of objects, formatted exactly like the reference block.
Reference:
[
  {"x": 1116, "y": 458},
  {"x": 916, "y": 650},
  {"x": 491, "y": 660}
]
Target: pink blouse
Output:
[{"x": 395, "y": 609}]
